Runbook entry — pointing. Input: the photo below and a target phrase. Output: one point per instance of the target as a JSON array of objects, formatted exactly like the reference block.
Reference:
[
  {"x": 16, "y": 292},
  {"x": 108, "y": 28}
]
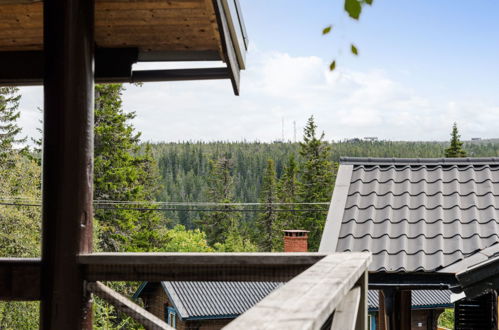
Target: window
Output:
[{"x": 171, "y": 316}]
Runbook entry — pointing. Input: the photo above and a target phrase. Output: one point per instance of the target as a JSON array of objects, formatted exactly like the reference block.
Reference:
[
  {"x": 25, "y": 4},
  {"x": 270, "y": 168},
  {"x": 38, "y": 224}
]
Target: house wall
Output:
[
  {"x": 421, "y": 319},
  {"x": 155, "y": 302}
]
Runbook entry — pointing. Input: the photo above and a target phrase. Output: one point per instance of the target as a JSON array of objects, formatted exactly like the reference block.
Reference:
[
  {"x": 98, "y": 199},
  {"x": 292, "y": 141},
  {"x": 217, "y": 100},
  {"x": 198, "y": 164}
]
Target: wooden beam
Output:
[
  {"x": 111, "y": 65},
  {"x": 26, "y": 67},
  {"x": 345, "y": 315},
  {"x": 19, "y": 279},
  {"x": 180, "y": 74},
  {"x": 308, "y": 300},
  {"x": 124, "y": 305},
  {"x": 196, "y": 266},
  {"x": 67, "y": 162}
]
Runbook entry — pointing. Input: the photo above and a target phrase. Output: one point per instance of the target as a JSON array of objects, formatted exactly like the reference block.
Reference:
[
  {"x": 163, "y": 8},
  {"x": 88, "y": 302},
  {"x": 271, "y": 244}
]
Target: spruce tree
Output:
[
  {"x": 123, "y": 171},
  {"x": 224, "y": 220},
  {"x": 316, "y": 175},
  {"x": 9, "y": 114},
  {"x": 287, "y": 192},
  {"x": 455, "y": 150},
  {"x": 269, "y": 231}
]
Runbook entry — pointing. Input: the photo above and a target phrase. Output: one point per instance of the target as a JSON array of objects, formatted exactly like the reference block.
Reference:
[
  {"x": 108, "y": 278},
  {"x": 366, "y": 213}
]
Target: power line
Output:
[
  {"x": 113, "y": 202},
  {"x": 114, "y": 208},
  {"x": 209, "y": 210},
  {"x": 99, "y": 207}
]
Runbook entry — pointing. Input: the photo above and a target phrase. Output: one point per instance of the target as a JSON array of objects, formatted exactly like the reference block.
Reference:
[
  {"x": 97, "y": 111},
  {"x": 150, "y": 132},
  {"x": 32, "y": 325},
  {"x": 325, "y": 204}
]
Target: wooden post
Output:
[
  {"x": 381, "y": 324},
  {"x": 362, "y": 313},
  {"x": 397, "y": 309},
  {"x": 67, "y": 161}
]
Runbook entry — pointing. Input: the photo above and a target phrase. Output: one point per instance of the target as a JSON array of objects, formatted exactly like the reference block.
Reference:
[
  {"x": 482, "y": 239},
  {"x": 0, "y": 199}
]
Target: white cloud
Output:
[{"x": 277, "y": 85}]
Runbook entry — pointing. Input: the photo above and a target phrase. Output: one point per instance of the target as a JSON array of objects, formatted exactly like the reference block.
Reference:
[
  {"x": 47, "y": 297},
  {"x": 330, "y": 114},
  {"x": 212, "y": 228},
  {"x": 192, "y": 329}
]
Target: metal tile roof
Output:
[
  {"x": 216, "y": 299},
  {"x": 414, "y": 214},
  {"x": 420, "y": 299}
]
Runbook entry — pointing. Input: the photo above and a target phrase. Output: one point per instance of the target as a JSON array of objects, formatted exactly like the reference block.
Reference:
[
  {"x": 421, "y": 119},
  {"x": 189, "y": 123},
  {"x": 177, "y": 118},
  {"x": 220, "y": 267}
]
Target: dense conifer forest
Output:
[{"x": 184, "y": 166}]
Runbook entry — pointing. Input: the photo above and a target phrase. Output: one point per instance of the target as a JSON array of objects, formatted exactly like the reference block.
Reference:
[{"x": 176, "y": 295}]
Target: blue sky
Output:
[
  {"x": 447, "y": 45},
  {"x": 423, "y": 65}
]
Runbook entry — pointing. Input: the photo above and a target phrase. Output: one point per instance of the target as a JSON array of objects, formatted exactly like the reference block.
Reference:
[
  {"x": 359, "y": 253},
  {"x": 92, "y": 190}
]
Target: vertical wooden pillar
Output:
[
  {"x": 381, "y": 324},
  {"x": 397, "y": 309},
  {"x": 67, "y": 161},
  {"x": 362, "y": 318}
]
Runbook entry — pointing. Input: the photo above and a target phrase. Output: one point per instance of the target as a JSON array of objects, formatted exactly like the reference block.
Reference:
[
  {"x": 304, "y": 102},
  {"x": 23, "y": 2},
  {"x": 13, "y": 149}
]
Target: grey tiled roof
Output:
[
  {"x": 416, "y": 214},
  {"x": 420, "y": 299},
  {"x": 216, "y": 299}
]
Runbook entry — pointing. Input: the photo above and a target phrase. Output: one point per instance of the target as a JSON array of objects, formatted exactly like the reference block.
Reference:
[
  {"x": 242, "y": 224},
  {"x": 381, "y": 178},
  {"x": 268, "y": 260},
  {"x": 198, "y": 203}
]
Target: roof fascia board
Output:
[
  {"x": 329, "y": 239},
  {"x": 418, "y": 161},
  {"x": 236, "y": 30},
  {"x": 212, "y": 317},
  {"x": 141, "y": 288},
  {"x": 175, "y": 300},
  {"x": 227, "y": 45}
]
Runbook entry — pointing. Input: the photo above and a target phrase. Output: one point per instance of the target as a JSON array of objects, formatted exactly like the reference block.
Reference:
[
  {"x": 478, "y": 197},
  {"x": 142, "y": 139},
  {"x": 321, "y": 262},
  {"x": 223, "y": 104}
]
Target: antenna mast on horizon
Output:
[
  {"x": 282, "y": 130},
  {"x": 294, "y": 130}
]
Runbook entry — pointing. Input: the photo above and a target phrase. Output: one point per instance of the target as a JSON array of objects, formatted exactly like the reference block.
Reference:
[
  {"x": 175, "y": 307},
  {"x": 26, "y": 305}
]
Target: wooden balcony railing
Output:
[
  {"x": 332, "y": 294},
  {"x": 324, "y": 291}
]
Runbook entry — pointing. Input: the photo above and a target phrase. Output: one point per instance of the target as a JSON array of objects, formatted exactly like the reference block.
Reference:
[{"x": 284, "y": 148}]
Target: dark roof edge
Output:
[
  {"x": 415, "y": 307},
  {"x": 211, "y": 317},
  {"x": 141, "y": 288},
  {"x": 418, "y": 161}
]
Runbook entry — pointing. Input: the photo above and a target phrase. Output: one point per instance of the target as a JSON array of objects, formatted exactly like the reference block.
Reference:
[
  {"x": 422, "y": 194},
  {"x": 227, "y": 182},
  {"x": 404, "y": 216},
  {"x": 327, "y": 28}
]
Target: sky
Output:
[{"x": 422, "y": 65}]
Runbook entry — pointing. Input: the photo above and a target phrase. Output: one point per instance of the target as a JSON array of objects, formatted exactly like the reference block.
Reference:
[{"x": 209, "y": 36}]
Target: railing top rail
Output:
[{"x": 155, "y": 258}]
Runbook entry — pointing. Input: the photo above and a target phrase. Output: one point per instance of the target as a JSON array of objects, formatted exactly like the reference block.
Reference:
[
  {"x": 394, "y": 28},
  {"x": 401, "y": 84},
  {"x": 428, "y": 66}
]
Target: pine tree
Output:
[
  {"x": 217, "y": 224},
  {"x": 316, "y": 174},
  {"x": 455, "y": 150},
  {"x": 9, "y": 114},
  {"x": 123, "y": 172},
  {"x": 269, "y": 231}
]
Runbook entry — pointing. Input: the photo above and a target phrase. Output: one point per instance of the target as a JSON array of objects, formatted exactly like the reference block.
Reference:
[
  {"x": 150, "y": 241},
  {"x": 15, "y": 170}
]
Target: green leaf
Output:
[
  {"x": 332, "y": 66},
  {"x": 355, "y": 51},
  {"x": 353, "y": 8},
  {"x": 327, "y": 29},
  {"x": 369, "y": 2}
]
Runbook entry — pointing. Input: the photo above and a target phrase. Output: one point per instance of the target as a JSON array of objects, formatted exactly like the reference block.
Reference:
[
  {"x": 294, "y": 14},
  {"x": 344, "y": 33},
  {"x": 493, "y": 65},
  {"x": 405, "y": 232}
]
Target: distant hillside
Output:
[{"x": 184, "y": 166}]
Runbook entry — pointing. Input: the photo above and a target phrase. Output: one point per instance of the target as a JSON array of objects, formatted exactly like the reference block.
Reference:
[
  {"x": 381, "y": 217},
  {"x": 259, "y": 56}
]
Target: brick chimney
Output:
[{"x": 295, "y": 240}]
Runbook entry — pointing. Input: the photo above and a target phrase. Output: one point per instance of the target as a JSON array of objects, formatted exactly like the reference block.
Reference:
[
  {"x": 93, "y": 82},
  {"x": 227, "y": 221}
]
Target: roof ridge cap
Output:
[{"x": 418, "y": 161}]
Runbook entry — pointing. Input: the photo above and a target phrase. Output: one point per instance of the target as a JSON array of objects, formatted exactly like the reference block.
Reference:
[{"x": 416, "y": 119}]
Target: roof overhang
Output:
[
  {"x": 129, "y": 32},
  {"x": 480, "y": 279}
]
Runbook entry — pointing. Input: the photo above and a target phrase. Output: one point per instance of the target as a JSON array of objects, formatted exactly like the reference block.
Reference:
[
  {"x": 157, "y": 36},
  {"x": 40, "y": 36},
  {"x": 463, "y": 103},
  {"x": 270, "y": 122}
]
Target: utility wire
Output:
[
  {"x": 101, "y": 207},
  {"x": 104, "y": 202}
]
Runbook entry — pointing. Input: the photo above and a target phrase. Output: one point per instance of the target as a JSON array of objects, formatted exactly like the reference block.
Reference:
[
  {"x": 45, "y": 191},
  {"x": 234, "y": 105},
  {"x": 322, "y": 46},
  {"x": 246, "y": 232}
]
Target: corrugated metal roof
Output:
[
  {"x": 420, "y": 299},
  {"x": 216, "y": 299},
  {"x": 417, "y": 214}
]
